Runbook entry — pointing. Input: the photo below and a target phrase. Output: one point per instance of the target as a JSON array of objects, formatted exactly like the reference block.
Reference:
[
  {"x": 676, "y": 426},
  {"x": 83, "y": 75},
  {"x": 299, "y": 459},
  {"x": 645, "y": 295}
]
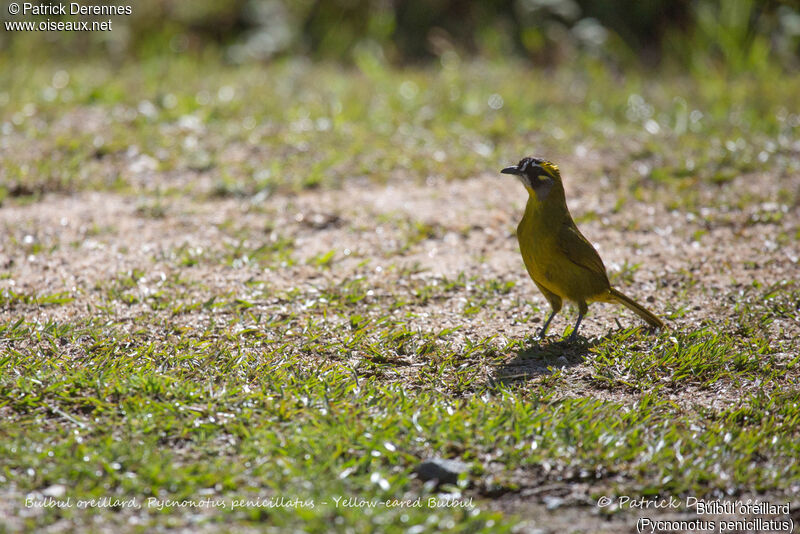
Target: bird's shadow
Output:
[{"x": 539, "y": 358}]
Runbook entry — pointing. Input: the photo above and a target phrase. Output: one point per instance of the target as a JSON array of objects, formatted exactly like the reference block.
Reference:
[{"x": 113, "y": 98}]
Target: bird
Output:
[{"x": 561, "y": 261}]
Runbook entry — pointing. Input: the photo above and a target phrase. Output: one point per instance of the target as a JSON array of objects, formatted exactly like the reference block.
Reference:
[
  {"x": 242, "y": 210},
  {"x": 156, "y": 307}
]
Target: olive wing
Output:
[{"x": 578, "y": 249}]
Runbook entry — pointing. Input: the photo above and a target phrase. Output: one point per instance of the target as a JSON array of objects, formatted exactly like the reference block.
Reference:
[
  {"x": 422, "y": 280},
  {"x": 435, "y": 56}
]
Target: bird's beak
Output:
[{"x": 511, "y": 170}]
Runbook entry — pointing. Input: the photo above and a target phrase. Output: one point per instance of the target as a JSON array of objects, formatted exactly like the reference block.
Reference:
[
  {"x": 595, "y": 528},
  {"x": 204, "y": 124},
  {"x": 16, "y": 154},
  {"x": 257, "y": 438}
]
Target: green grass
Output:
[
  {"x": 702, "y": 357},
  {"x": 253, "y": 130},
  {"x": 237, "y": 413},
  {"x": 256, "y": 403},
  {"x": 10, "y": 299},
  {"x": 166, "y": 386}
]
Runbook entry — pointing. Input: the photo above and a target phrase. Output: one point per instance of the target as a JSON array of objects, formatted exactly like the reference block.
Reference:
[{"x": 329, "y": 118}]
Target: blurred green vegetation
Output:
[{"x": 734, "y": 35}]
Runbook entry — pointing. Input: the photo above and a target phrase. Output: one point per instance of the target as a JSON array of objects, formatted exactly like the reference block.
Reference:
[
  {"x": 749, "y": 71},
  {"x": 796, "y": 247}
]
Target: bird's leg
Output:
[
  {"x": 575, "y": 330},
  {"x": 546, "y": 324},
  {"x": 582, "y": 309}
]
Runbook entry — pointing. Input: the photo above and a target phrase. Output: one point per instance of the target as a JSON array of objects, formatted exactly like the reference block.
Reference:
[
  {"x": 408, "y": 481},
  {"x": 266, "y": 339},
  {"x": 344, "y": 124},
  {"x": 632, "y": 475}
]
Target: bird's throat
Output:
[
  {"x": 546, "y": 204},
  {"x": 541, "y": 189}
]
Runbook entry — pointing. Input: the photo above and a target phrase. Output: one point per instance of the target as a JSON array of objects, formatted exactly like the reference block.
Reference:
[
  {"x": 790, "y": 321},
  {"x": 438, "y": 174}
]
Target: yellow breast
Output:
[{"x": 547, "y": 260}]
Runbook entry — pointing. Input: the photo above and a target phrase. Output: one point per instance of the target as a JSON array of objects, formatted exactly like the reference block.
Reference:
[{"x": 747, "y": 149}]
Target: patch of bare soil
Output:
[{"x": 395, "y": 234}]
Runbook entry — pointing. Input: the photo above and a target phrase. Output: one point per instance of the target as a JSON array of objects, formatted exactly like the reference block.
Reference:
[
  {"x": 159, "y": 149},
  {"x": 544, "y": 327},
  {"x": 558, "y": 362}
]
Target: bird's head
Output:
[{"x": 536, "y": 174}]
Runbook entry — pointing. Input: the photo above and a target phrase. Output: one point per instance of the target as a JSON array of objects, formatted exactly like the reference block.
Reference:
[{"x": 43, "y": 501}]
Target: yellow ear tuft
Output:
[{"x": 550, "y": 167}]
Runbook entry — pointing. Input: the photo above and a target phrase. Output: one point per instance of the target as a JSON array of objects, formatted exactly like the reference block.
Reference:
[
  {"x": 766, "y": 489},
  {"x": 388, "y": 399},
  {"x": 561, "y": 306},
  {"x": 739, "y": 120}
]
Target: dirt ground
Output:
[{"x": 699, "y": 263}]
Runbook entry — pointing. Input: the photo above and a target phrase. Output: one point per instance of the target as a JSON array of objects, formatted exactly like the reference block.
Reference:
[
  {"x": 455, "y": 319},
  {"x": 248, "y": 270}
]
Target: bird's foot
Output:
[{"x": 572, "y": 337}]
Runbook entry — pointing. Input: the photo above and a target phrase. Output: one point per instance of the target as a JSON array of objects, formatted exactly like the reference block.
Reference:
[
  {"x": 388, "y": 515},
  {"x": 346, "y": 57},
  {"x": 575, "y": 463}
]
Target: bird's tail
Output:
[{"x": 640, "y": 310}]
